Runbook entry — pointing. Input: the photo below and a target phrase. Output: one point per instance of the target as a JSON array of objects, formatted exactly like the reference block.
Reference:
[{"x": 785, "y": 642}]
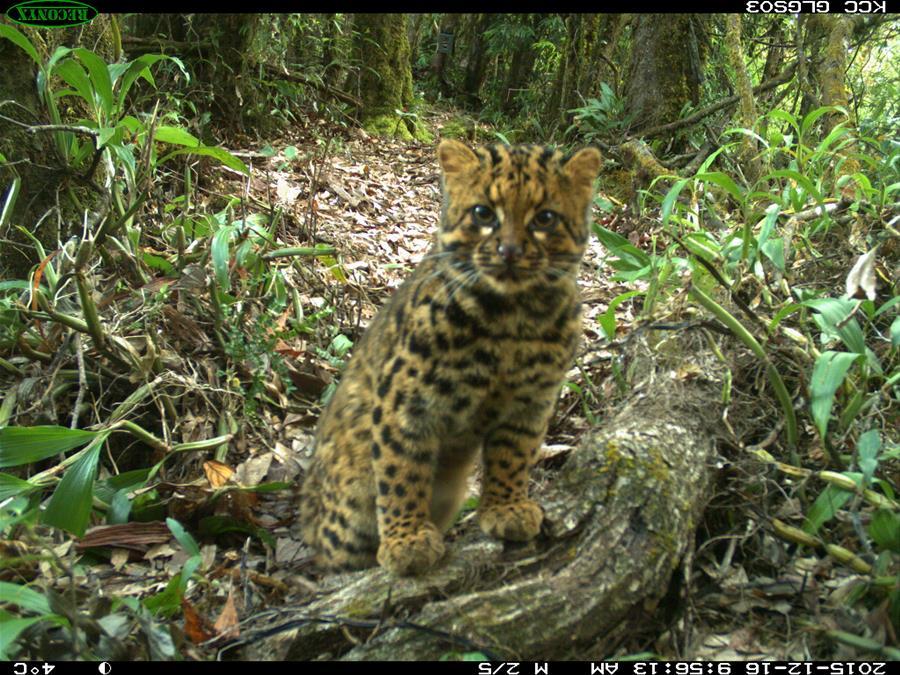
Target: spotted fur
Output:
[{"x": 464, "y": 362}]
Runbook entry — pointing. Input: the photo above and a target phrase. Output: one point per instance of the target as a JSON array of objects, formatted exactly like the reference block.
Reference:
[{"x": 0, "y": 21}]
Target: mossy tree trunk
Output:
[
  {"x": 743, "y": 86},
  {"x": 578, "y": 68},
  {"x": 827, "y": 40},
  {"x": 833, "y": 31},
  {"x": 381, "y": 46},
  {"x": 661, "y": 77},
  {"x": 620, "y": 515}
]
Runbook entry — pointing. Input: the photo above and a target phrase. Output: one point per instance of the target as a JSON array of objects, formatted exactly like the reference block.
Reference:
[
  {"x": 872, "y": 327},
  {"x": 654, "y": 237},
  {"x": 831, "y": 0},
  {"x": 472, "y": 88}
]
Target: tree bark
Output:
[
  {"x": 661, "y": 76},
  {"x": 440, "y": 59},
  {"x": 520, "y": 68},
  {"x": 476, "y": 63},
  {"x": 619, "y": 516},
  {"x": 744, "y": 88},
  {"x": 381, "y": 43}
]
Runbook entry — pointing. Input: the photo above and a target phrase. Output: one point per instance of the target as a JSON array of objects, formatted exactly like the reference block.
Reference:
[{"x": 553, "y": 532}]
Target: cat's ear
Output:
[
  {"x": 584, "y": 166},
  {"x": 455, "y": 157}
]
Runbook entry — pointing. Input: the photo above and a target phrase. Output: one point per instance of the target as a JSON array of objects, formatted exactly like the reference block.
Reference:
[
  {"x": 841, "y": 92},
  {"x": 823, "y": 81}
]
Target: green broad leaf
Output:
[
  {"x": 24, "y": 445},
  {"x": 168, "y": 601},
  {"x": 15, "y": 284},
  {"x": 223, "y": 156},
  {"x": 630, "y": 255},
  {"x": 631, "y": 275},
  {"x": 895, "y": 332},
  {"x": 867, "y": 449},
  {"x": 828, "y": 503},
  {"x": 837, "y": 133},
  {"x": 607, "y": 320},
  {"x": 890, "y": 304},
  {"x": 220, "y": 250},
  {"x": 70, "y": 506},
  {"x": 158, "y": 263},
  {"x": 139, "y": 67},
  {"x": 176, "y": 136},
  {"x": 246, "y": 255},
  {"x": 785, "y": 117},
  {"x": 669, "y": 200},
  {"x": 334, "y": 267},
  {"x": 773, "y": 249},
  {"x": 768, "y": 224},
  {"x": 703, "y": 246},
  {"x": 76, "y": 77},
  {"x": 747, "y": 132},
  {"x": 798, "y": 178},
  {"x": 884, "y": 529},
  {"x": 812, "y": 116},
  {"x": 190, "y": 566},
  {"x": 340, "y": 345},
  {"x": 100, "y": 79},
  {"x": 20, "y": 41},
  {"x": 274, "y": 486},
  {"x": 831, "y": 317},
  {"x": 828, "y": 374},
  {"x": 317, "y": 250},
  {"x": 119, "y": 508},
  {"x": 106, "y": 134},
  {"x": 24, "y": 597},
  {"x": 188, "y": 543},
  {"x": 11, "y": 627},
  {"x": 712, "y": 157},
  {"x": 10, "y": 486},
  {"x": 724, "y": 181}
]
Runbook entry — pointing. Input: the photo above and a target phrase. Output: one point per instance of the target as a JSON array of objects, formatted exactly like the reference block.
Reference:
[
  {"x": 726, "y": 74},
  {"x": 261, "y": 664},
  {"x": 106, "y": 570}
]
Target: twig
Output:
[{"x": 82, "y": 380}]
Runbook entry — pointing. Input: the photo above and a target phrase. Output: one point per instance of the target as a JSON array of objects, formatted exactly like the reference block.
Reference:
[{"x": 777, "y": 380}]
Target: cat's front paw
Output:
[
  {"x": 515, "y": 521},
  {"x": 411, "y": 553}
]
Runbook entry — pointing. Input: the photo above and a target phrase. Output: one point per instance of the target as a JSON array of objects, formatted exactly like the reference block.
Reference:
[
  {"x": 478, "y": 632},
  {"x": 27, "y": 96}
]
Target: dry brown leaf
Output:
[
  {"x": 217, "y": 474},
  {"x": 196, "y": 627},
  {"x": 227, "y": 623},
  {"x": 134, "y": 536}
]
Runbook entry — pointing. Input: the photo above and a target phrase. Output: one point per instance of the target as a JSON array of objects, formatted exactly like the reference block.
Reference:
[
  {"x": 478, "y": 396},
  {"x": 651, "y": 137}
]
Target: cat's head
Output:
[{"x": 517, "y": 215}]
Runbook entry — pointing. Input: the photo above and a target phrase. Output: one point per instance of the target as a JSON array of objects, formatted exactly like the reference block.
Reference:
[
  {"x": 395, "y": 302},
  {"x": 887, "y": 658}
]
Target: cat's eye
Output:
[
  {"x": 545, "y": 220},
  {"x": 483, "y": 215}
]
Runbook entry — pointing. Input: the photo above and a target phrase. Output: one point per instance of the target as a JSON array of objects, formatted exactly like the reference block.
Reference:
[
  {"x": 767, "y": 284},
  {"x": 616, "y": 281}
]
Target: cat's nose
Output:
[{"x": 509, "y": 252}]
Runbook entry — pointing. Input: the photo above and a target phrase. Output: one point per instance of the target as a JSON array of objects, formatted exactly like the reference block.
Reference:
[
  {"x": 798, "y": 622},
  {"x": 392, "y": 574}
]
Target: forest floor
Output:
[
  {"x": 744, "y": 594},
  {"x": 378, "y": 202}
]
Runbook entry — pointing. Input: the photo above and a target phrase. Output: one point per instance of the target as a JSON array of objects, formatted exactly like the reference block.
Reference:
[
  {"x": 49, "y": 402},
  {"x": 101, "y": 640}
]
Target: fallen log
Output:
[{"x": 620, "y": 515}]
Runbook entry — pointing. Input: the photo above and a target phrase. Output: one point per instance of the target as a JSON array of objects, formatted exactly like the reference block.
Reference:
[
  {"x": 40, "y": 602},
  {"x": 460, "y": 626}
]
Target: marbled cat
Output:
[{"x": 464, "y": 363}]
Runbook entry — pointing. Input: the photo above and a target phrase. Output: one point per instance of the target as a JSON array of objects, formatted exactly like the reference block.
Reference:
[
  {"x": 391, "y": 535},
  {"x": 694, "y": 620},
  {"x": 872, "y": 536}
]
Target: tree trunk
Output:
[
  {"x": 441, "y": 58},
  {"x": 569, "y": 69},
  {"x": 476, "y": 63},
  {"x": 415, "y": 35},
  {"x": 519, "y": 73},
  {"x": 381, "y": 44},
  {"x": 619, "y": 516},
  {"x": 829, "y": 69},
  {"x": 744, "y": 88},
  {"x": 661, "y": 76}
]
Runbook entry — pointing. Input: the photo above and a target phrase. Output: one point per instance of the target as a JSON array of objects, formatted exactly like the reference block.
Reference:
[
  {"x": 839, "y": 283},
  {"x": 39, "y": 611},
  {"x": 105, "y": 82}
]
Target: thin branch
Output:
[{"x": 724, "y": 103}]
